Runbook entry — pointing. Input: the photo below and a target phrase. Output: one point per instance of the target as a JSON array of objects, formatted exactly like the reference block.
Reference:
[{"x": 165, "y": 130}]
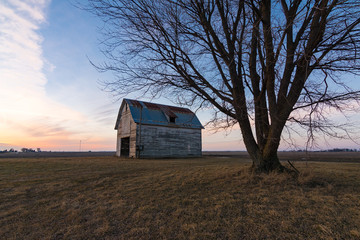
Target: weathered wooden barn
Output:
[{"x": 149, "y": 130}]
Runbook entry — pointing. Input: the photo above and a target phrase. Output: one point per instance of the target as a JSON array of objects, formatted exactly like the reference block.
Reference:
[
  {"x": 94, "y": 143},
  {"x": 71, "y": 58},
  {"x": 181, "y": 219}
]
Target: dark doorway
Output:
[{"x": 125, "y": 147}]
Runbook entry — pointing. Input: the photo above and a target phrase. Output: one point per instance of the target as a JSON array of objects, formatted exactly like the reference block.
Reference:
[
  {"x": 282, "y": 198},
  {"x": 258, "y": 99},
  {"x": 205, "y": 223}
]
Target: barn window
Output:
[{"x": 172, "y": 119}]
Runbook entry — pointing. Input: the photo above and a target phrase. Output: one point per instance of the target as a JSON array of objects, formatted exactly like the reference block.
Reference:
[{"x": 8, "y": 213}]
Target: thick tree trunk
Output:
[
  {"x": 267, "y": 163},
  {"x": 265, "y": 158}
]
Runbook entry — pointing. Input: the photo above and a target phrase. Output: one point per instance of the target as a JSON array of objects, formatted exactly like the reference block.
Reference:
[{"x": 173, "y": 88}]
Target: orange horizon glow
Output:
[{"x": 75, "y": 141}]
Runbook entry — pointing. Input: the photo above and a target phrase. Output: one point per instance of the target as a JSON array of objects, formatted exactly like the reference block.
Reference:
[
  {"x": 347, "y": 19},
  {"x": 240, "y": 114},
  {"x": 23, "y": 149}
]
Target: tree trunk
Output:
[
  {"x": 265, "y": 158},
  {"x": 267, "y": 163}
]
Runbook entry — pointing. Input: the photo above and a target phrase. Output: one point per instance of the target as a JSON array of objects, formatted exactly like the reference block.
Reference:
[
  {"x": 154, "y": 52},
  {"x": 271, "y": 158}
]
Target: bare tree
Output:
[{"x": 260, "y": 64}]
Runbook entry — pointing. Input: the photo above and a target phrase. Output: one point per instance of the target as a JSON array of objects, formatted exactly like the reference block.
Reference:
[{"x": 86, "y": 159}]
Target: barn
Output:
[{"x": 150, "y": 130}]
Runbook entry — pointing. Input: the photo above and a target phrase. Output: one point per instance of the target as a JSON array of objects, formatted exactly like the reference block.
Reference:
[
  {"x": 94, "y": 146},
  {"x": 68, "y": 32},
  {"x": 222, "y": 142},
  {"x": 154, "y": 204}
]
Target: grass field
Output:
[{"x": 204, "y": 198}]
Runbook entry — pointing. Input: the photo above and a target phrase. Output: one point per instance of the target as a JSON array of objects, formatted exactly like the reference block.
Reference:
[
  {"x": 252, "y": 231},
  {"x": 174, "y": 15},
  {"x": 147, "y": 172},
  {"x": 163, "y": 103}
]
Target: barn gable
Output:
[{"x": 154, "y": 130}]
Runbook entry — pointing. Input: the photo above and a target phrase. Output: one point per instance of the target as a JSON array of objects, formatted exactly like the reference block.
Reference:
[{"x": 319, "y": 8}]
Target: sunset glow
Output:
[
  {"x": 31, "y": 114},
  {"x": 50, "y": 97}
]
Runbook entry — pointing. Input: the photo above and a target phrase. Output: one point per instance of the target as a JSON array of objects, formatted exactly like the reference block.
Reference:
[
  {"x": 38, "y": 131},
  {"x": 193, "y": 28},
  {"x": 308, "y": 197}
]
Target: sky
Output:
[{"x": 50, "y": 96}]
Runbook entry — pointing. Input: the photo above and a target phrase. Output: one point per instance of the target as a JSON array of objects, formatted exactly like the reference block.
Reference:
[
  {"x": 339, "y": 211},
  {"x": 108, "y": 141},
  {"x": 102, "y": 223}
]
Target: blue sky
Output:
[{"x": 50, "y": 96}]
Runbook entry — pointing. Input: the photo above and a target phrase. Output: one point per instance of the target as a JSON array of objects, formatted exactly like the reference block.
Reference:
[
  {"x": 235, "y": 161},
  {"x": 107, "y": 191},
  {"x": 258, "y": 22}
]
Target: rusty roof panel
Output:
[
  {"x": 180, "y": 110},
  {"x": 152, "y": 106},
  {"x": 135, "y": 103},
  {"x": 156, "y": 106},
  {"x": 167, "y": 111}
]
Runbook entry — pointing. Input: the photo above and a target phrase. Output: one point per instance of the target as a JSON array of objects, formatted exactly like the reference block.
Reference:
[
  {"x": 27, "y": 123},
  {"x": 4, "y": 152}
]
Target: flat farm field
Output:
[{"x": 203, "y": 198}]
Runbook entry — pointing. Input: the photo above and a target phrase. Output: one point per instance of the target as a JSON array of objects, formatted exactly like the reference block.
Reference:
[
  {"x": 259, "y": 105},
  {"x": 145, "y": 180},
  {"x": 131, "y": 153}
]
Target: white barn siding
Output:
[
  {"x": 127, "y": 128},
  {"x": 160, "y": 141}
]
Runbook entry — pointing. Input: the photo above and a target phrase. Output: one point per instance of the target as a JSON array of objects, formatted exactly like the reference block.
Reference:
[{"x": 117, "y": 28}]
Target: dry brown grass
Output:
[{"x": 208, "y": 198}]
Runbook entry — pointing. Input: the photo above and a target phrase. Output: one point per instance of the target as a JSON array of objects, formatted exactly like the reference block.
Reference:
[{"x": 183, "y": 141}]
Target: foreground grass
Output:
[{"x": 208, "y": 198}]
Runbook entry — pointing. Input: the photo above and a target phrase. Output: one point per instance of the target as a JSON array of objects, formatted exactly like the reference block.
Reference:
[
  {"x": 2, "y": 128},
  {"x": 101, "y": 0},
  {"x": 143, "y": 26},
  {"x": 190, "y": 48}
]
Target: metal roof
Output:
[{"x": 159, "y": 114}]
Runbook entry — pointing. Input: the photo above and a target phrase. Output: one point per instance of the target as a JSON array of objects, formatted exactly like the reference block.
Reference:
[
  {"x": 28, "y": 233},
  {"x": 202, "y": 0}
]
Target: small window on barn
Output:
[{"x": 172, "y": 119}]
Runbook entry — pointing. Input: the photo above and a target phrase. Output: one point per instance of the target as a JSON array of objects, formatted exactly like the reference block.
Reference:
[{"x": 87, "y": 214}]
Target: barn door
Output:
[{"x": 125, "y": 142}]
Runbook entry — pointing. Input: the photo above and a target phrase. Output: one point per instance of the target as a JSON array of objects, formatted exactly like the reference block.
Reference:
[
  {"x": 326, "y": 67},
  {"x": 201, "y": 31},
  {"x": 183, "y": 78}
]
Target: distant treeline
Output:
[
  {"x": 333, "y": 150},
  {"x": 11, "y": 150},
  {"x": 342, "y": 150}
]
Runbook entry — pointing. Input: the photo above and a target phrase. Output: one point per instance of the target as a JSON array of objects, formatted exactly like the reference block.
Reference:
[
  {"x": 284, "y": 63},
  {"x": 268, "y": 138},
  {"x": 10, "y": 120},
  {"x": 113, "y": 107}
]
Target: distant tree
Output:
[
  {"x": 261, "y": 64},
  {"x": 24, "y": 150}
]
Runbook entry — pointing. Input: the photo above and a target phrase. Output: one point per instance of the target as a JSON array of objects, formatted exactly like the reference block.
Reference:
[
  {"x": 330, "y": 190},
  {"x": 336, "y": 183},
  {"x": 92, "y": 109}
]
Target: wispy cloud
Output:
[
  {"x": 27, "y": 115},
  {"x": 105, "y": 115}
]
